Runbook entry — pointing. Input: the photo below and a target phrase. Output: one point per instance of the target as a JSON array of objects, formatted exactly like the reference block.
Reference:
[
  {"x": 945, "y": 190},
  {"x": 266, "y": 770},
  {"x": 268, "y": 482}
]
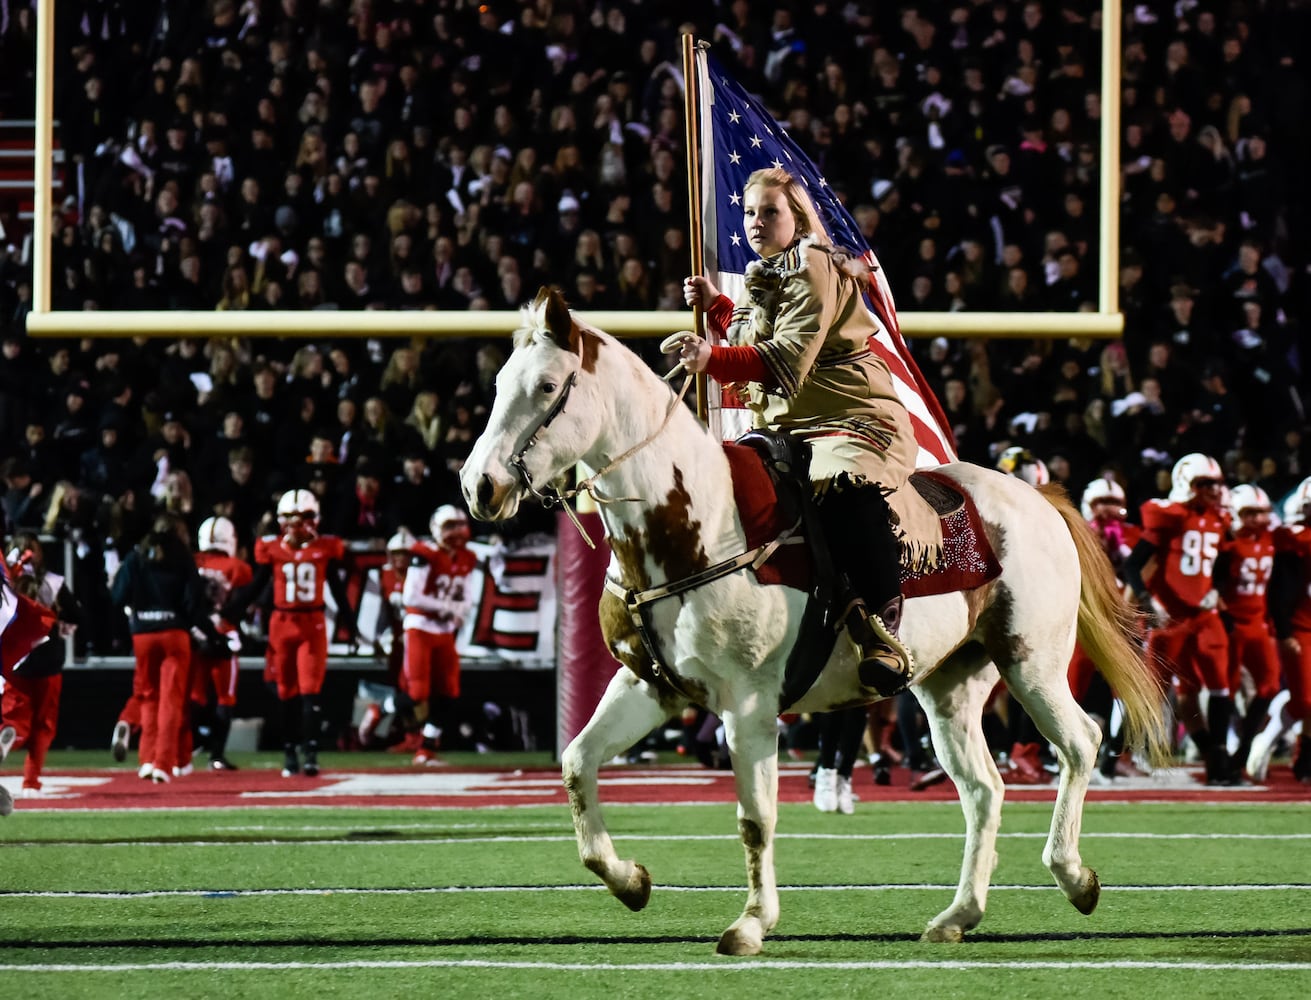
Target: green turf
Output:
[{"x": 481, "y": 941}]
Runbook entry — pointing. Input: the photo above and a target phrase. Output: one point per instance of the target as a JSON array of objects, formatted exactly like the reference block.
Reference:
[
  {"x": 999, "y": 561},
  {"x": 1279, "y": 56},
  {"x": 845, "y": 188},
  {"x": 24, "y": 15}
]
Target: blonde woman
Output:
[
  {"x": 236, "y": 289},
  {"x": 400, "y": 380},
  {"x": 800, "y": 355},
  {"x": 425, "y": 421}
]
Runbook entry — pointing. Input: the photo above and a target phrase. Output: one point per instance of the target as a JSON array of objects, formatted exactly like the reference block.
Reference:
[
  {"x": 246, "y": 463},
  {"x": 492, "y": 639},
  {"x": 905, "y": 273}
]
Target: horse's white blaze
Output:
[{"x": 730, "y": 638}]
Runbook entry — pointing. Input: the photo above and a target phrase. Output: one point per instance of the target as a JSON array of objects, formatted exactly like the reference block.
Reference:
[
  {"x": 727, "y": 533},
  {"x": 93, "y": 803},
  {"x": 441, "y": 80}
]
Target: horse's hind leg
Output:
[
  {"x": 627, "y": 712},
  {"x": 753, "y": 742},
  {"x": 1040, "y": 685},
  {"x": 953, "y": 697}
]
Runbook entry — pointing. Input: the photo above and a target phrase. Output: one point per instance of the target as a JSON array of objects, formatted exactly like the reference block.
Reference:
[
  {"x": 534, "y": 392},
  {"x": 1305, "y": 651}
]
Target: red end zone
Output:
[{"x": 444, "y": 787}]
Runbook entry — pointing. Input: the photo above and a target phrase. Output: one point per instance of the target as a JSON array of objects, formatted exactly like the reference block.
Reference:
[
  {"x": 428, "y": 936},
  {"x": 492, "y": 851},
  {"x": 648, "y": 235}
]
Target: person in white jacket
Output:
[{"x": 437, "y": 600}]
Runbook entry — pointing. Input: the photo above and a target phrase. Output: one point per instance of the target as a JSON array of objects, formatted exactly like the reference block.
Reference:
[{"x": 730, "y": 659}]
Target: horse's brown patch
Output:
[
  {"x": 1003, "y": 643},
  {"x": 671, "y": 540},
  {"x": 676, "y": 538},
  {"x": 669, "y": 537},
  {"x": 1000, "y": 638},
  {"x": 976, "y": 602},
  {"x": 626, "y": 646},
  {"x": 578, "y": 805},
  {"x": 752, "y": 838}
]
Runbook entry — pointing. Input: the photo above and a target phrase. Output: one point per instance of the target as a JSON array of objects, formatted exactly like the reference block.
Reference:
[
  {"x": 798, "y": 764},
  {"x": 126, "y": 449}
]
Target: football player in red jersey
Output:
[
  {"x": 223, "y": 572},
  {"x": 1184, "y": 533},
  {"x": 29, "y": 699},
  {"x": 437, "y": 599},
  {"x": 1103, "y": 508},
  {"x": 1243, "y": 573},
  {"x": 301, "y": 563},
  {"x": 1290, "y": 607}
]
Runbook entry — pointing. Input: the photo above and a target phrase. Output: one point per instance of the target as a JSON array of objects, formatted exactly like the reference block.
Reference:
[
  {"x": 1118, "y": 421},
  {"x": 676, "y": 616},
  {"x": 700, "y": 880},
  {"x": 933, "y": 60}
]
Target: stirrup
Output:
[{"x": 886, "y": 665}]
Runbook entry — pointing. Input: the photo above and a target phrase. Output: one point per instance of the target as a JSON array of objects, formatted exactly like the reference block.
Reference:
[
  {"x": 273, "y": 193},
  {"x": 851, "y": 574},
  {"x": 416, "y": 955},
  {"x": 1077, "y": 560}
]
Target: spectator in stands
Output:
[{"x": 962, "y": 113}]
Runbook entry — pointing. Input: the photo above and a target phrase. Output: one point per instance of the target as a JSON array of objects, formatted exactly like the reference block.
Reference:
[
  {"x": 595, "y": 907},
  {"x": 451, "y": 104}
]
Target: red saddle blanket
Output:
[{"x": 968, "y": 560}]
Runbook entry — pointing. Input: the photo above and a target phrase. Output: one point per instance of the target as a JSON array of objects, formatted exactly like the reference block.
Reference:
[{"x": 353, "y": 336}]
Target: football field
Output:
[{"x": 465, "y": 882}]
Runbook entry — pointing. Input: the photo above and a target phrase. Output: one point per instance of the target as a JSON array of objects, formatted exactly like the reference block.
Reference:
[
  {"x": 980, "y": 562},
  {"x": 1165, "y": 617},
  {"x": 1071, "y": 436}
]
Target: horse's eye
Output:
[{"x": 548, "y": 388}]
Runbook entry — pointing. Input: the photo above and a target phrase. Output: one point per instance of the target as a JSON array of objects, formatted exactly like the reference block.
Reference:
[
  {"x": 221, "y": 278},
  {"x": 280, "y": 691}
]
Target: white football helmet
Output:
[
  {"x": 1248, "y": 497},
  {"x": 217, "y": 533},
  {"x": 1102, "y": 489},
  {"x": 402, "y": 541},
  {"x": 445, "y": 514},
  {"x": 1296, "y": 503},
  {"x": 1023, "y": 464},
  {"x": 1188, "y": 470},
  {"x": 298, "y": 503}
]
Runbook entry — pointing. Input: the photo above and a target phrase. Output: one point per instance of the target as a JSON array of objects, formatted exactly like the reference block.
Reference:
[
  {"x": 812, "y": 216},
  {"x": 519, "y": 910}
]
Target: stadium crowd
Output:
[{"x": 451, "y": 155}]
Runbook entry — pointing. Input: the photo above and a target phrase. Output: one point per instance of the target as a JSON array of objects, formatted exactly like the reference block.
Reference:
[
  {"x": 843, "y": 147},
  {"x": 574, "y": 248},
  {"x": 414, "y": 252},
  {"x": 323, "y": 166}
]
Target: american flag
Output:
[{"x": 738, "y": 136}]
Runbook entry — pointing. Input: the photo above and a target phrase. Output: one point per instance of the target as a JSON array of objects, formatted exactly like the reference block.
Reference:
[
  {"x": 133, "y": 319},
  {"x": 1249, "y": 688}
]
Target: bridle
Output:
[{"x": 551, "y": 496}]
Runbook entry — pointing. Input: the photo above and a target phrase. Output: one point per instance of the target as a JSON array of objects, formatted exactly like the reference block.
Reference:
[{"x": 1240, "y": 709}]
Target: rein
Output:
[{"x": 550, "y": 496}]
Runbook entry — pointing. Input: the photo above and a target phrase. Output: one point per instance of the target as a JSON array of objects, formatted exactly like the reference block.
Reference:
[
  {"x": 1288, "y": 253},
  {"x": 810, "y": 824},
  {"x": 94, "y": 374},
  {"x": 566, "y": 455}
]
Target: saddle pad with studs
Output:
[{"x": 968, "y": 560}]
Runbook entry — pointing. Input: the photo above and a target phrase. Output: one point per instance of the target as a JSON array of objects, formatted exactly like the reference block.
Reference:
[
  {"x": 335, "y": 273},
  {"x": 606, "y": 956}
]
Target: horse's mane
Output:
[{"x": 533, "y": 326}]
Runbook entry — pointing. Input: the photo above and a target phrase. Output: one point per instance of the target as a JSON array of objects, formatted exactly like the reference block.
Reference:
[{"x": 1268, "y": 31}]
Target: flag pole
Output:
[{"x": 692, "y": 117}]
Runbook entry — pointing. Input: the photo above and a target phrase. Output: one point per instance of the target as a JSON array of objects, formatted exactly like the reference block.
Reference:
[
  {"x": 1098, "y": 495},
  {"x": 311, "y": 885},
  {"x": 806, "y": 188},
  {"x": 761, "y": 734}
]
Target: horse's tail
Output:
[{"x": 1108, "y": 630}]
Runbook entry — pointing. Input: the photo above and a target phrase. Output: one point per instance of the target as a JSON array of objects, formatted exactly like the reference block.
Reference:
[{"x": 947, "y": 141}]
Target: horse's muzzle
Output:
[{"x": 490, "y": 500}]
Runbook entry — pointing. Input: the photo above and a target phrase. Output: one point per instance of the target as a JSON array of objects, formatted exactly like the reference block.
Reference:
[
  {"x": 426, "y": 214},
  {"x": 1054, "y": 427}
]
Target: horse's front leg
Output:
[
  {"x": 752, "y": 733},
  {"x": 627, "y": 712}
]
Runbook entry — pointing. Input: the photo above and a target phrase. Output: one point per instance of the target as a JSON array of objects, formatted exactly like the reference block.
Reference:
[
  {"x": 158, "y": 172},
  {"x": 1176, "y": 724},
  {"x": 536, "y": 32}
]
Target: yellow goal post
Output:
[{"x": 1105, "y": 322}]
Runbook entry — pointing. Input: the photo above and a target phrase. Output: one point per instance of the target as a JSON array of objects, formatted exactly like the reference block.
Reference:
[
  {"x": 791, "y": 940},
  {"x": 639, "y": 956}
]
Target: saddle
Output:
[{"x": 771, "y": 485}]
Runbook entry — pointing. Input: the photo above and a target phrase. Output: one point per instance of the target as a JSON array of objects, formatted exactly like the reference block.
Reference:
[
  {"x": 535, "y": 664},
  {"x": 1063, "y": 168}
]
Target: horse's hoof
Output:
[
  {"x": 942, "y": 935},
  {"x": 637, "y": 893},
  {"x": 1086, "y": 900},
  {"x": 735, "y": 942}
]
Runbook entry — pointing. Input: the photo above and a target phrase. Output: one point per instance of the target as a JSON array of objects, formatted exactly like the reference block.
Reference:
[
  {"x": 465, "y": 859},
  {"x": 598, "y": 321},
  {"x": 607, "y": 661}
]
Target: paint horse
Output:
[{"x": 572, "y": 396}]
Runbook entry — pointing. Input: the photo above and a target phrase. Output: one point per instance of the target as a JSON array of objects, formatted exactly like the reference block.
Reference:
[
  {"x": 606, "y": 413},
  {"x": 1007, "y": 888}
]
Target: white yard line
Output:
[
  {"x": 494, "y": 889},
  {"x": 724, "y": 965},
  {"x": 641, "y": 838}
]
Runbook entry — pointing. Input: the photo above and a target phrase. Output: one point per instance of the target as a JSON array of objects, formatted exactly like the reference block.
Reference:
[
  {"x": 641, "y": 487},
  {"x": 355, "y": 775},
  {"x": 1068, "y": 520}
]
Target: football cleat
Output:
[
  {"x": 222, "y": 764},
  {"x": 427, "y": 758},
  {"x": 846, "y": 798},
  {"x": 290, "y": 764},
  {"x": 372, "y": 716},
  {"x": 826, "y": 789},
  {"x": 8, "y": 737},
  {"x": 118, "y": 744}
]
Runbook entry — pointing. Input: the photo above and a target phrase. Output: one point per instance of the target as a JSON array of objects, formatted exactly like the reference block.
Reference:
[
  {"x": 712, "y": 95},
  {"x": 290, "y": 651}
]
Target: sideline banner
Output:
[{"x": 513, "y": 612}]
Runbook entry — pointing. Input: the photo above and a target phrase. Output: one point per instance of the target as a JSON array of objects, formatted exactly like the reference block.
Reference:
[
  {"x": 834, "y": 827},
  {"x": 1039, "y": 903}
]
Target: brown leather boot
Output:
[{"x": 886, "y": 666}]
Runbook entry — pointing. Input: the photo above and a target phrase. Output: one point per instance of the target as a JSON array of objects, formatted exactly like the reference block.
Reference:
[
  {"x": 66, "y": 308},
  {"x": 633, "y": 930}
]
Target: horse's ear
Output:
[{"x": 557, "y": 322}]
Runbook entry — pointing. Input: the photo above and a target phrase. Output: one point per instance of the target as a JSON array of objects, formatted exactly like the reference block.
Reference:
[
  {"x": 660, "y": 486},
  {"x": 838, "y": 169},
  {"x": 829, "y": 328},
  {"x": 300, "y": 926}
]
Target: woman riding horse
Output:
[{"x": 800, "y": 355}]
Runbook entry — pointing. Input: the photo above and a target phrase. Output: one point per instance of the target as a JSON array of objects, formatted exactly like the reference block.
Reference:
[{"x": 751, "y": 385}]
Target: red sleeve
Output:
[
  {"x": 720, "y": 314},
  {"x": 1160, "y": 521},
  {"x": 737, "y": 364},
  {"x": 262, "y": 554}
]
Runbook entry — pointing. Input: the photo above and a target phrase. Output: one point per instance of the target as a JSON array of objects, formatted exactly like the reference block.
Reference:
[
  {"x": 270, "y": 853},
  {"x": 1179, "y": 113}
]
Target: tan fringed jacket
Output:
[{"x": 806, "y": 315}]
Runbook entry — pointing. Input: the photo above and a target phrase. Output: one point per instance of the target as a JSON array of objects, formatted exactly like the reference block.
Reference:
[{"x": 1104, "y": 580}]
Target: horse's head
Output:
[{"x": 544, "y": 418}]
